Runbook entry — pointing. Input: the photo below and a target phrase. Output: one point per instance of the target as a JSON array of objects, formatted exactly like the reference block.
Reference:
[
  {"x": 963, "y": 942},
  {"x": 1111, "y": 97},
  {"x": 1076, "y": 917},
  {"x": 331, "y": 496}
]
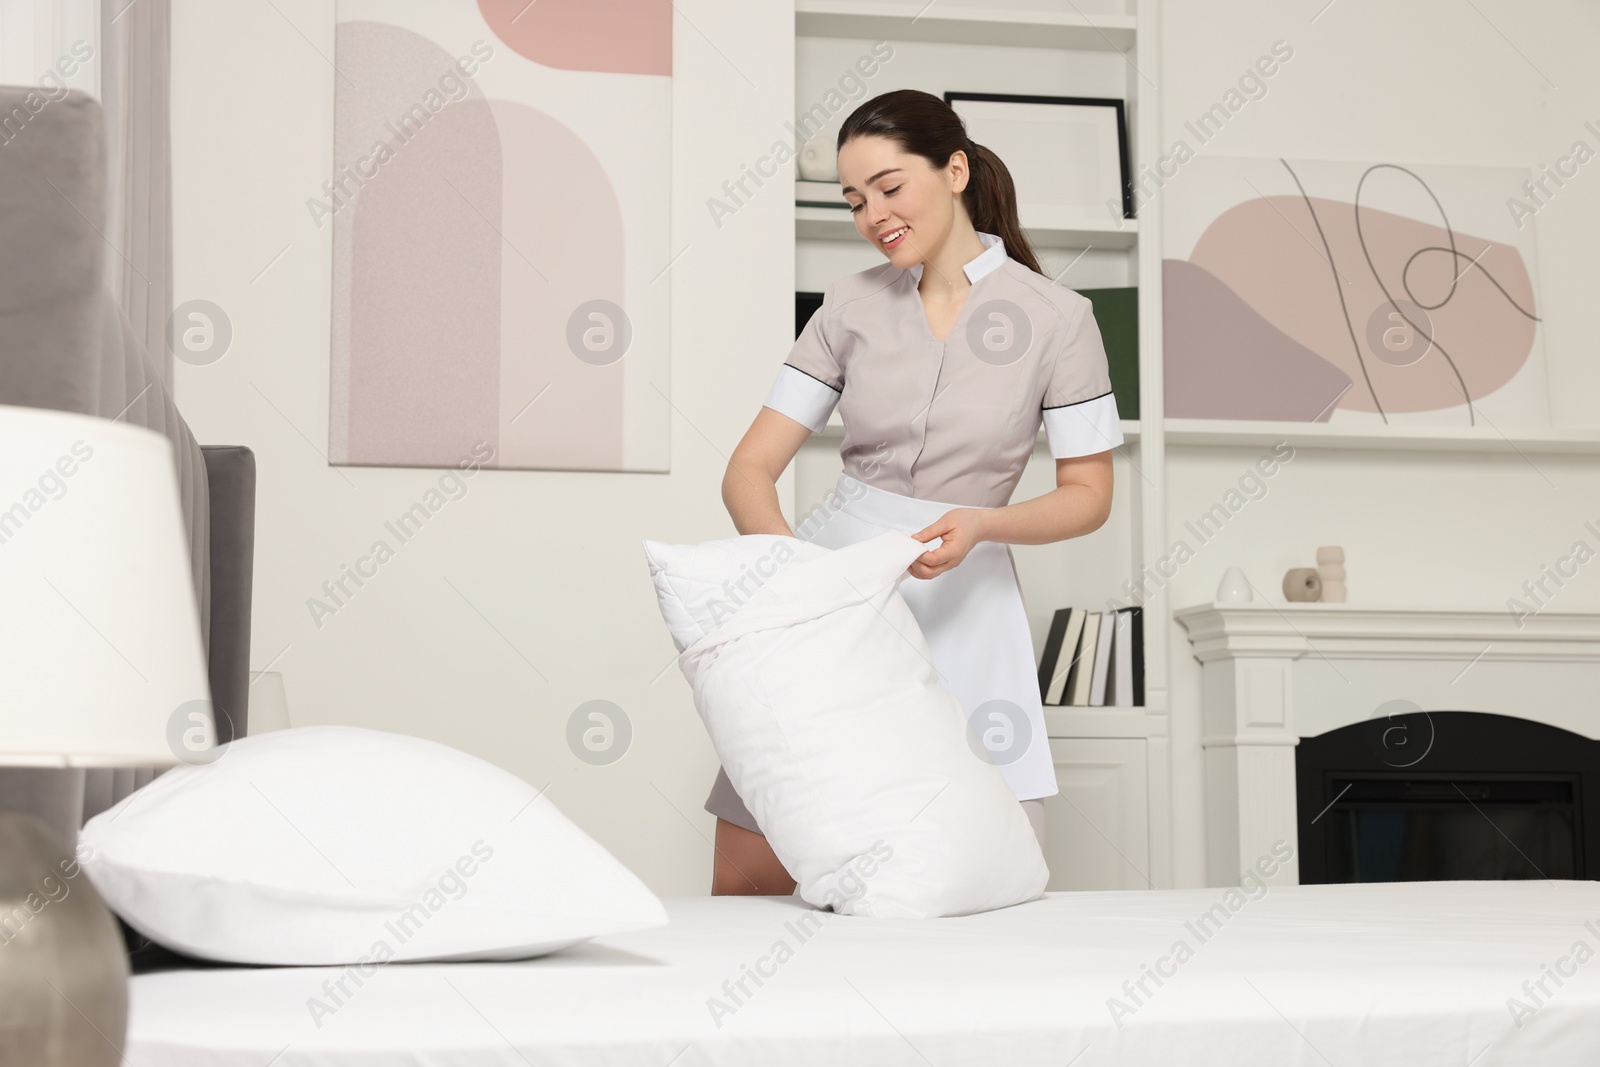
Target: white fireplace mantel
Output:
[{"x": 1273, "y": 673}]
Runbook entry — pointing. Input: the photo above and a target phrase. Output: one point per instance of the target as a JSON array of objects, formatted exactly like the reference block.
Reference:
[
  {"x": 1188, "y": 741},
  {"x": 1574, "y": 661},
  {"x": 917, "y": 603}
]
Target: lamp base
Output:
[{"x": 63, "y": 961}]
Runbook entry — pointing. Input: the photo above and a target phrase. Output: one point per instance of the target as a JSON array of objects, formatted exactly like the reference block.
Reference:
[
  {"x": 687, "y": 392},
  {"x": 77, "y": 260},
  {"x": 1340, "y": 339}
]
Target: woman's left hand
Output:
[{"x": 959, "y": 530}]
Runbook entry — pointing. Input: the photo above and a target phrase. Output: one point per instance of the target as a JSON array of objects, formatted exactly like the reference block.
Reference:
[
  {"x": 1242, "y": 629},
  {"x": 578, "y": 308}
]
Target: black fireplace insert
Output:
[{"x": 1444, "y": 795}]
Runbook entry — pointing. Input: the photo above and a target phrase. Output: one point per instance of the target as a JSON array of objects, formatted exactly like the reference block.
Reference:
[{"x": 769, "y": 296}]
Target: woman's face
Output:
[{"x": 895, "y": 194}]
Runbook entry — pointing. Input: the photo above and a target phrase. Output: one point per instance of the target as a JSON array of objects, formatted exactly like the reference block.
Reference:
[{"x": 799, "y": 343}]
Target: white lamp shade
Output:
[{"x": 101, "y": 658}]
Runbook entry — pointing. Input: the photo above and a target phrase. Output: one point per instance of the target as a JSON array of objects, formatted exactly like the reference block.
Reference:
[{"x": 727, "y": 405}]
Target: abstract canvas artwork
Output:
[
  {"x": 499, "y": 208},
  {"x": 1352, "y": 293}
]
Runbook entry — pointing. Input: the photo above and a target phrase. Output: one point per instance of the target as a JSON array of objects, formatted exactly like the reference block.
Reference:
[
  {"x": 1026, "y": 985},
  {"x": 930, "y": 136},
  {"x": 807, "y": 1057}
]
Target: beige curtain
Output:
[{"x": 135, "y": 93}]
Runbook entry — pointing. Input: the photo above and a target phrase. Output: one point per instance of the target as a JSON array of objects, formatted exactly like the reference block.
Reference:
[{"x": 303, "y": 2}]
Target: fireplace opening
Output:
[{"x": 1447, "y": 795}]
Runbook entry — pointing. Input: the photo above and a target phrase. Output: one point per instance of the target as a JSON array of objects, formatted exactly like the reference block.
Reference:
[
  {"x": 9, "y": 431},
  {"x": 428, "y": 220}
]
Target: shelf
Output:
[
  {"x": 1094, "y": 721},
  {"x": 825, "y": 194},
  {"x": 1253, "y": 433},
  {"x": 1256, "y": 434},
  {"x": 1389, "y": 632},
  {"x": 1045, "y": 229},
  {"x": 943, "y": 24},
  {"x": 1130, "y": 430}
]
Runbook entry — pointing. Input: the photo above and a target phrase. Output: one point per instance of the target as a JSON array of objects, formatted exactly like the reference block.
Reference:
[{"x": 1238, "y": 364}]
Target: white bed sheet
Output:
[{"x": 1407, "y": 974}]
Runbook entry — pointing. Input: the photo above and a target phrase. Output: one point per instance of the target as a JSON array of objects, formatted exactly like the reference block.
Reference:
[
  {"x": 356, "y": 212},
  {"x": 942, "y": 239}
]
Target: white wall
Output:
[
  {"x": 552, "y": 560},
  {"x": 1430, "y": 81}
]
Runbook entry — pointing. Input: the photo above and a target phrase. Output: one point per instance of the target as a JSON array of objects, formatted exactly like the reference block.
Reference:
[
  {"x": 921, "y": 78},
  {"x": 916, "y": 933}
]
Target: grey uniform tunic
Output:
[
  {"x": 931, "y": 424},
  {"x": 952, "y": 420}
]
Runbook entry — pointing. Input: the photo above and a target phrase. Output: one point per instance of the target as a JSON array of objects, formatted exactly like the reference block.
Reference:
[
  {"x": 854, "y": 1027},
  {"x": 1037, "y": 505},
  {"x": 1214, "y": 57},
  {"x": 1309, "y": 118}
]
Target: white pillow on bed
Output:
[
  {"x": 823, "y": 704},
  {"x": 321, "y": 845}
]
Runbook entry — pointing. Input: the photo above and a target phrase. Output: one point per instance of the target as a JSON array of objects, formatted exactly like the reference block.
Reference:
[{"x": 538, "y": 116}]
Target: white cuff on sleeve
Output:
[
  {"x": 1083, "y": 429},
  {"x": 803, "y": 398}
]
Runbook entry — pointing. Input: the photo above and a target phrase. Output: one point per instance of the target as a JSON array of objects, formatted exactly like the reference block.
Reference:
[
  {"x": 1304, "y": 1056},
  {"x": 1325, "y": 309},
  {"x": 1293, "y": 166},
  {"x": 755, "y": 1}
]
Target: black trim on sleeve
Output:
[
  {"x": 1051, "y": 407},
  {"x": 814, "y": 378}
]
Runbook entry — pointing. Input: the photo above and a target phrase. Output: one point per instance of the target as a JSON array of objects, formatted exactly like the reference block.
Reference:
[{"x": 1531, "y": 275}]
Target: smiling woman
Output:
[{"x": 942, "y": 362}]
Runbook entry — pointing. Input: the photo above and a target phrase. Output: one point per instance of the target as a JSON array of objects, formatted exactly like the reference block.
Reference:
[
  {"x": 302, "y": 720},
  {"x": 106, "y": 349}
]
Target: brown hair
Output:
[{"x": 924, "y": 125}]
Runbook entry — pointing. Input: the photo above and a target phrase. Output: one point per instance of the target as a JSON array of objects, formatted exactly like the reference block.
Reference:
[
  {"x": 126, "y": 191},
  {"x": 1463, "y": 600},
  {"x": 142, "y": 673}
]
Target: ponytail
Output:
[{"x": 991, "y": 200}]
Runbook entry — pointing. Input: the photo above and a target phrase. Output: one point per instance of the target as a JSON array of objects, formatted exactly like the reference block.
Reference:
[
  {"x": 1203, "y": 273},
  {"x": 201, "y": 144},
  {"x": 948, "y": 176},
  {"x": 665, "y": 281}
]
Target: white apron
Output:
[{"x": 975, "y": 623}]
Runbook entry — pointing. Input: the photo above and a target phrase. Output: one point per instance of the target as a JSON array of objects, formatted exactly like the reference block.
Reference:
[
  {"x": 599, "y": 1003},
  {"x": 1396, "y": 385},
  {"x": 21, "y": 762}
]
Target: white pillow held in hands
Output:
[
  {"x": 700, "y": 587},
  {"x": 821, "y": 700}
]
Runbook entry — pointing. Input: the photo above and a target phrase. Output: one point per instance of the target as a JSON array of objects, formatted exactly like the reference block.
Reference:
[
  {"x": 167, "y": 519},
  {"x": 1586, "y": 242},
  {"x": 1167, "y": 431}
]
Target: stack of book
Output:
[{"x": 1094, "y": 659}]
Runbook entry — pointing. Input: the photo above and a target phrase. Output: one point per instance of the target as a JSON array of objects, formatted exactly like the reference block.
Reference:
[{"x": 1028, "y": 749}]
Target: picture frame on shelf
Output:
[{"x": 1065, "y": 153}]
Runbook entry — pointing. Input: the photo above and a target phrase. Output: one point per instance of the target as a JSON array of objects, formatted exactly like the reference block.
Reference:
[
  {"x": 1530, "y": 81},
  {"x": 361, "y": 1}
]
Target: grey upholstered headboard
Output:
[{"x": 66, "y": 344}]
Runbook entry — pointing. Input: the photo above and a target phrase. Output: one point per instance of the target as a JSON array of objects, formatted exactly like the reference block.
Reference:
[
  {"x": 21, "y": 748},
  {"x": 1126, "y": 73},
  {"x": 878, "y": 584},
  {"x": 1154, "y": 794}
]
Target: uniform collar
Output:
[{"x": 993, "y": 254}]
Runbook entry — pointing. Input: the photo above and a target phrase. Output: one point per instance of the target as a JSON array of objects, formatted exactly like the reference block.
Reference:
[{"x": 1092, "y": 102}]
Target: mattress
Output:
[{"x": 1415, "y": 973}]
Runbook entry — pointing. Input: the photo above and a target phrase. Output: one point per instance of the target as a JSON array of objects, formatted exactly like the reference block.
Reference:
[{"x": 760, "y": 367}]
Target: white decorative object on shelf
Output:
[
  {"x": 1234, "y": 587},
  {"x": 1330, "y": 567},
  {"x": 817, "y": 161}
]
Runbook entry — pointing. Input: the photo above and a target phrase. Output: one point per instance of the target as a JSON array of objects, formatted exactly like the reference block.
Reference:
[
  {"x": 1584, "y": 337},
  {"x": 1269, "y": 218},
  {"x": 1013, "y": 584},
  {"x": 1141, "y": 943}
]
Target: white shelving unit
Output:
[
  {"x": 1111, "y": 825},
  {"x": 1413, "y": 438},
  {"x": 1046, "y": 229},
  {"x": 965, "y": 24}
]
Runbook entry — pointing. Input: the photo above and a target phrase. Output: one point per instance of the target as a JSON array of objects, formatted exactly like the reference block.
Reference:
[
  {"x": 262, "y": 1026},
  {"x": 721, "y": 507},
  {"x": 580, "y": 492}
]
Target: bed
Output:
[
  {"x": 1412, "y": 973},
  {"x": 1458, "y": 973}
]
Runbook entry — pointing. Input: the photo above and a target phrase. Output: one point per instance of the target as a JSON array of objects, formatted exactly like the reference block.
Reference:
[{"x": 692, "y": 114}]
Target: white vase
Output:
[{"x": 1234, "y": 587}]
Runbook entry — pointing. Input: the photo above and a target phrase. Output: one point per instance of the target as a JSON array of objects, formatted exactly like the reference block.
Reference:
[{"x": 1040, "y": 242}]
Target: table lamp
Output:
[{"x": 101, "y": 665}]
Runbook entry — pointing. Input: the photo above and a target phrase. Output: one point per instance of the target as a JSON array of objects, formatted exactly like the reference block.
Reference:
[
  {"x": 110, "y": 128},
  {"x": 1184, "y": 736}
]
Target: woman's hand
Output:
[{"x": 959, "y": 530}]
